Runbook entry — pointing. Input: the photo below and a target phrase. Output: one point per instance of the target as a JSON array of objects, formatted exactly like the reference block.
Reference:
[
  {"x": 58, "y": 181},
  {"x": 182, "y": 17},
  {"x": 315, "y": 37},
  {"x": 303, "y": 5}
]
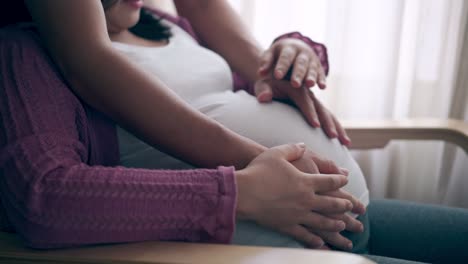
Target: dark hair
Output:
[
  {"x": 148, "y": 27},
  {"x": 13, "y": 12}
]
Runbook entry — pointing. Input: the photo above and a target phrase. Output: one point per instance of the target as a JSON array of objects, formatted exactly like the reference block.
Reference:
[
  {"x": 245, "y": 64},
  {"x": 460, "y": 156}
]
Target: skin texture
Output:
[{"x": 82, "y": 49}]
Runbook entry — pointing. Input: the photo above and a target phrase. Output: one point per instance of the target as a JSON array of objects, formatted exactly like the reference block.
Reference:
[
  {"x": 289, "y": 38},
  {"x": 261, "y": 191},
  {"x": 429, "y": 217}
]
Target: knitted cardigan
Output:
[{"x": 60, "y": 180}]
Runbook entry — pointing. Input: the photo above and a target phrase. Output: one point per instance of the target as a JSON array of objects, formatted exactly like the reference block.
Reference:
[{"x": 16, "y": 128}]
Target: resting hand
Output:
[
  {"x": 313, "y": 163},
  {"x": 273, "y": 193},
  {"x": 315, "y": 113},
  {"x": 322, "y": 165},
  {"x": 294, "y": 59}
]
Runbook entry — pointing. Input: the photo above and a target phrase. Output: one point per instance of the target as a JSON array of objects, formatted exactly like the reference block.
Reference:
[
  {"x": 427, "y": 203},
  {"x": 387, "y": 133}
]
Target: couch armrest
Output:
[
  {"x": 377, "y": 134},
  {"x": 12, "y": 251}
]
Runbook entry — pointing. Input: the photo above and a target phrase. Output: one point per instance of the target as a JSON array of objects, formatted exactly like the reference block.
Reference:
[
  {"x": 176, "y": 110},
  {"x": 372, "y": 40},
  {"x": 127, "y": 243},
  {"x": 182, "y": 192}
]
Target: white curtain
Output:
[{"x": 390, "y": 59}]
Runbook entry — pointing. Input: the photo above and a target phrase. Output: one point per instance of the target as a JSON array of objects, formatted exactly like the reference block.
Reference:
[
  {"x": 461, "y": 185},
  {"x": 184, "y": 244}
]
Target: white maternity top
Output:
[{"x": 203, "y": 79}]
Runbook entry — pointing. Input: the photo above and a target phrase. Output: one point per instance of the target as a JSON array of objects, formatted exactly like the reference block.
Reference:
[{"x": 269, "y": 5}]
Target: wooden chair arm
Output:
[
  {"x": 11, "y": 251},
  {"x": 377, "y": 134}
]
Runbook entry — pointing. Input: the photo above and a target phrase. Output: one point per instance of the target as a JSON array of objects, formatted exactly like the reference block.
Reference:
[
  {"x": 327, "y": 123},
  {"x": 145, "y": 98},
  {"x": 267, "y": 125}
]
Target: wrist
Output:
[
  {"x": 251, "y": 151},
  {"x": 241, "y": 178}
]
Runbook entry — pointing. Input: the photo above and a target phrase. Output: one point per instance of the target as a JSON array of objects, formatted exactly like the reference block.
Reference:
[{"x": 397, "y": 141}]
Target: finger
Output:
[
  {"x": 325, "y": 182},
  {"x": 312, "y": 74},
  {"x": 336, "y": 239},
  {"x": 299, "y": 69},
  {"x": 325, "y": 118},
  {"x": 266, "y": 62},
  {"x": 331, "y": 205},
  {"x": 358, "y": 207},
  {"x": 302, "y": 234},
  {"x": 327, "y": 166},
  {"x": 290, "y": 152},
  {"x": 285, "y": 60},
  {"x": 263, "y": 92},
  {"x": 342, "y": 135},
  {"x": 324, "y": 247},
  {"x": 306, "y": 105},
  {"x": 352, "y": 224},
  {"x": 316, "y": 221},
  {"x": 322, "y": 83}
]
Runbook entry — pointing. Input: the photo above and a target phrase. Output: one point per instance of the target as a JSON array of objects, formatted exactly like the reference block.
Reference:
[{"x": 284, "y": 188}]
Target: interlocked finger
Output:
[
  {"x": 358, "y": 207},
  {"x": 321, "y": 78},
  {"x": 352, "y": 224},
  {"x": 285, "y": 60},
  {"x": 326, "y": 182},
  {"x": 300, "y": 69},
  {"x": 317, "y": 221},
  {"x": 326, "y": 166},
  {"x": 312, "y": 75},
  {"x": 303, "y": 235},
  {"x": 335, "y": 239},
  {"x": 266, "y": 62},
  {"x": 331, "y": 205}
]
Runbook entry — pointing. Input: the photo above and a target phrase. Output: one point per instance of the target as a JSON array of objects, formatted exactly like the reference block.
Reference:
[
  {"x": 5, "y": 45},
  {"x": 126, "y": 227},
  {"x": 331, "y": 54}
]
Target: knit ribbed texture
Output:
[{"x": 59, "y": 183}]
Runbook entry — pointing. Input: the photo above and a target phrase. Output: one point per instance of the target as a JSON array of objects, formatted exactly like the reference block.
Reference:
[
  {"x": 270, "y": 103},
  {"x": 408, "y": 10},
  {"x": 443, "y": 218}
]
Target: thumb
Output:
[
  {"x": 291, "y": 152},
  {"x": 263, "y": 92}
]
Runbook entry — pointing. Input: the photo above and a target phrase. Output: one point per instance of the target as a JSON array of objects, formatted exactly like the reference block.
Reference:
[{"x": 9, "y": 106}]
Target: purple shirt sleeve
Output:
[{"x": 51, "y": 195}]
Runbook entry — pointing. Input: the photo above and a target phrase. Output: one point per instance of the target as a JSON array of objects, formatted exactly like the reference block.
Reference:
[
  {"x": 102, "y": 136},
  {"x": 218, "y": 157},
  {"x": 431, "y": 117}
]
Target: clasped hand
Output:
[{"x": 274, "y": 191}]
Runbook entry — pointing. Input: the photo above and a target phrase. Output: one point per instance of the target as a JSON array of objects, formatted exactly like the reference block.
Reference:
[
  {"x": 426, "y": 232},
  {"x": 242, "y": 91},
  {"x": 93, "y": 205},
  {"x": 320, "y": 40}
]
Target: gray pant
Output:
[{"x": 395, "y": 232}]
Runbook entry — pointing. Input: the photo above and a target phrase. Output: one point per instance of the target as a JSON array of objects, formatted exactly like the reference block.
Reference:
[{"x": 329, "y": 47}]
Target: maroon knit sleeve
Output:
[{"x": 53, "y": 198}]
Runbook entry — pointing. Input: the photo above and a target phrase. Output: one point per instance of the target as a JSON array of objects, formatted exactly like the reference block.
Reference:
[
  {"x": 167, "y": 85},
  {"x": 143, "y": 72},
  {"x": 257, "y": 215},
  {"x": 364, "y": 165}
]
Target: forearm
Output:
[
  {"x": 223, "y": 31},
  {"x": 110, "y": 82},
  {"x": 54, "y": 198},
  {"x": 145, "y": 106}
]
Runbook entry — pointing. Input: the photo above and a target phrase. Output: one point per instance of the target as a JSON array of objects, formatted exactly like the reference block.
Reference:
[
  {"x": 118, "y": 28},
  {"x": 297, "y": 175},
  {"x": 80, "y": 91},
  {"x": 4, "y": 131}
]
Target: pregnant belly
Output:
[{"x": 276, "y": 123}]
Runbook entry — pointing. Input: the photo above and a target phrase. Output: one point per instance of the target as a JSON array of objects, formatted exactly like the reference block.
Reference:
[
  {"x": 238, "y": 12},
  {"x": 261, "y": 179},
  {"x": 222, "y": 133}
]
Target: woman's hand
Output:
[
  {"x": 295, "y": 60},
  {"x": 326, "y": 166},
  {"x": 312, "y": 163},
  {"x": 315, "y": 113},
  {"x": 273, "y": 193}
]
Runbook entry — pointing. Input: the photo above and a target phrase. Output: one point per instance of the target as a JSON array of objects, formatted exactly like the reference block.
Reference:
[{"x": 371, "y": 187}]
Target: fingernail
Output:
[
  {"x": 345, "y": 180},
  {"x": 310, "y": 83},
  {"x": 350, "y": 245},
  {"x": 279, "y": 73},
  {"x": 320, "y": 243},
  {"x": 345, "y": 171},
  {"x": 361, "y": 228},
  {"x": 363, "y": 209},
  {"x": 264, "y": 96},
  {"x": 301, "y": 145},
  {"x": 341, "y": 225},
  {"x": 316, "y": 122},
  {"x": 333, "y": 133}
]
